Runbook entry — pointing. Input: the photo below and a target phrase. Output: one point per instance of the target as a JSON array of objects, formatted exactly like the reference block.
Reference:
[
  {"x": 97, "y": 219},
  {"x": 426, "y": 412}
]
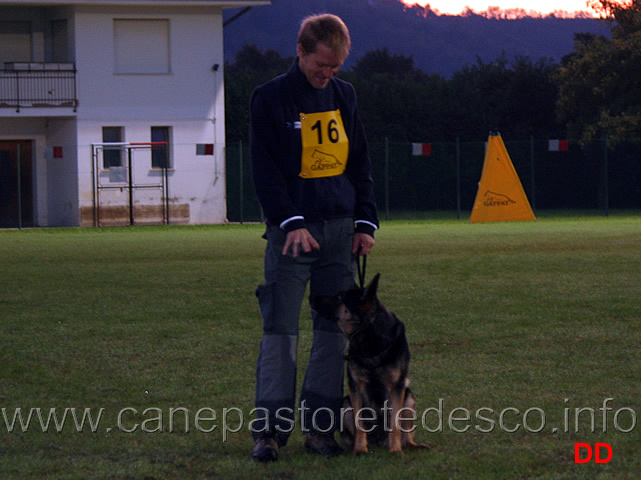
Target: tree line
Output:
[{"x": 593, "y": 92}]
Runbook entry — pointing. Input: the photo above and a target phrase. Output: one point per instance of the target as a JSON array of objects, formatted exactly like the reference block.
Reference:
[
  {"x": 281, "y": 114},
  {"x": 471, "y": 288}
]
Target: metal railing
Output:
[{"x": 38, "y": 85}]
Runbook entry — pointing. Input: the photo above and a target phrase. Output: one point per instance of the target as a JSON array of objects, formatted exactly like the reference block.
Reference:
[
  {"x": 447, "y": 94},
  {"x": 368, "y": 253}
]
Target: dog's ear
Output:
[{"x": 370, "y": 300}]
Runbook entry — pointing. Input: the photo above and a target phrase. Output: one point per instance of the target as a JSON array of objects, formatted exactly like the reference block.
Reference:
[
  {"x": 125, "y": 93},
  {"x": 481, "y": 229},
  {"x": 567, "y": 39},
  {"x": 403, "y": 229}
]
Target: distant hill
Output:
[{"x": 440, "y": 44}]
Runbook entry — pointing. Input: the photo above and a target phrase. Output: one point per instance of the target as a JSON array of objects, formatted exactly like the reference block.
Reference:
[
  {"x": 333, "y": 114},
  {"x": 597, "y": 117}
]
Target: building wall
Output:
[
  {"x": 182, "y": 99},
  {"x": 61, "y": 157},
  {"x": 188, "y": 98}
]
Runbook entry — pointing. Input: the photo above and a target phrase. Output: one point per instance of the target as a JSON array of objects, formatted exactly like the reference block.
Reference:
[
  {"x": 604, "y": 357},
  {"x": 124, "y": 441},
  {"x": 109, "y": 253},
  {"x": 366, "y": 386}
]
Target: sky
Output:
[{"x": 455, "y": 7}]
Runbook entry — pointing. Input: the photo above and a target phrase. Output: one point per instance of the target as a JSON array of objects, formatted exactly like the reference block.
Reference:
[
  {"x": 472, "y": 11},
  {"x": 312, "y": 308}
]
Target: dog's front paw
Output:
[
  {"x": 360, "y": 451},
  {"x": 360, "y": 444}
]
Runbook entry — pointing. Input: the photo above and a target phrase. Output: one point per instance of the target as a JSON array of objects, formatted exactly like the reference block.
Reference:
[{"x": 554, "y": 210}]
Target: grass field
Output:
[{"x": 516, "y": 329}]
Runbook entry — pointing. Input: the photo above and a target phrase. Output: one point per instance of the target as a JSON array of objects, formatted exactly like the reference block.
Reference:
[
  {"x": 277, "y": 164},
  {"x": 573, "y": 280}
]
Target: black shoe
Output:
[
  {"x": 323, "y": 444},
  {"x": 265, "y": 449}
]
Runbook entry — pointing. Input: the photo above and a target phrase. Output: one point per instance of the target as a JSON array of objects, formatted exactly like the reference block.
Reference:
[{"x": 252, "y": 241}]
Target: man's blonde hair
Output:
[{"x": 327, "y": 29}]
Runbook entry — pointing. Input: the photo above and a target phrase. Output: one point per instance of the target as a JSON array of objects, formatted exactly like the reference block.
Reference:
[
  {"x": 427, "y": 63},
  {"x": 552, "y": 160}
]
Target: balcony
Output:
[{"x": 38, "y": 85}]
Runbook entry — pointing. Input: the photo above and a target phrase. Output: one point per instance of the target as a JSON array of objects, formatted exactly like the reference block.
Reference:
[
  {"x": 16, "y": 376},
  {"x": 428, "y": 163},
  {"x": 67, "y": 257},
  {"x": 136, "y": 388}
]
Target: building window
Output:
[
  {"x": 160, "y": 153},
  {"x": 112, "y": 156},
  {"x": 15, "y": 42},
  {"x": 141, "y": 46}
]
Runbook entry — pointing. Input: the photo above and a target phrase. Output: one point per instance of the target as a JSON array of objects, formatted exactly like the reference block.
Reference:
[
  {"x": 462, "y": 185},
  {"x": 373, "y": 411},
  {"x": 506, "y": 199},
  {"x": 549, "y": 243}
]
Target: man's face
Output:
[{"x": 320, "y": 66}]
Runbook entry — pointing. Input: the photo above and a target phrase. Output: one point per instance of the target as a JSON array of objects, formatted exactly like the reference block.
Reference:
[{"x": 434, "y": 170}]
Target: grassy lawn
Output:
[{"x": 520, "y": 333}]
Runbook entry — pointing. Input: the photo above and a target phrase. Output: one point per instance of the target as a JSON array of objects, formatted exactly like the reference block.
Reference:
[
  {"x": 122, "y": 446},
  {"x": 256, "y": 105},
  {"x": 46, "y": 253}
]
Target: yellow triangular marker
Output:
[{"x": 500, "y": 197}]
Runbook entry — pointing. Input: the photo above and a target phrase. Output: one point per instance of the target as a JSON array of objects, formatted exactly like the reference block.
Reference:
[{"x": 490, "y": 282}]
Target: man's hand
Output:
[
  {"x": 297, "y": 239},
  {"x": 362, "y": 244}
]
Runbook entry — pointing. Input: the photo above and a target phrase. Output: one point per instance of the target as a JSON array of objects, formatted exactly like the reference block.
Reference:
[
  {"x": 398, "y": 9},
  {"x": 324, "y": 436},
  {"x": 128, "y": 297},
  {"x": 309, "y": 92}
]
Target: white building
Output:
[{"x": 76, "y": 74}]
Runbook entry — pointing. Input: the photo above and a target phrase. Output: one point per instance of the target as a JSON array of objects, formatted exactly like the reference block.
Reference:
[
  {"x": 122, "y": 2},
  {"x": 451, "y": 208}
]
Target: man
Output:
[{"x": 312, "y": 175}]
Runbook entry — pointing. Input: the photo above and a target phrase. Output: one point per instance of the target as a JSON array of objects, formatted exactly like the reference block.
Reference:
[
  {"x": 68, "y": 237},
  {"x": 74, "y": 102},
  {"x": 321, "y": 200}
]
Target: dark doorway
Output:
[{"x": 16, "y": 184}]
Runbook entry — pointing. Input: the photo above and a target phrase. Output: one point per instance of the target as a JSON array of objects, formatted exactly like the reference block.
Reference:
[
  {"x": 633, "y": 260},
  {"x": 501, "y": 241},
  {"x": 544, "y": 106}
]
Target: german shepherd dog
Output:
[{"x": 380, "y": 408}]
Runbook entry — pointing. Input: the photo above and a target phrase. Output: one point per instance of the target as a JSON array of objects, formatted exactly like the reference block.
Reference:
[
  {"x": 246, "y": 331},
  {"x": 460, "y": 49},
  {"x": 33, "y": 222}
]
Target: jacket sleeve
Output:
[
  {"x": 267, "y": 151},
  {"x": 359, "y": 169}
]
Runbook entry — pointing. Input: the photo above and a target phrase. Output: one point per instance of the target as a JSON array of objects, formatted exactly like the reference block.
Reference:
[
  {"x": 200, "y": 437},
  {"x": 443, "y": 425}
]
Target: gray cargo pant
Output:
[{"x": 329, "y": 271}]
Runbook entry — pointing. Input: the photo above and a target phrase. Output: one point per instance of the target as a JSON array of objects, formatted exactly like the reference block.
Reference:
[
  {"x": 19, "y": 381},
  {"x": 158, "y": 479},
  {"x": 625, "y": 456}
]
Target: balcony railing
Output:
[{"x": 38, "y": 85}]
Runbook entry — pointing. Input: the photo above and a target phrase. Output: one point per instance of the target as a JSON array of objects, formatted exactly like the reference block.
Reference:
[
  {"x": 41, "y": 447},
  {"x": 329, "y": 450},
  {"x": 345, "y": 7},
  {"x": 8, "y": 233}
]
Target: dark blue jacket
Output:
[{"x": 287, "y": 199}]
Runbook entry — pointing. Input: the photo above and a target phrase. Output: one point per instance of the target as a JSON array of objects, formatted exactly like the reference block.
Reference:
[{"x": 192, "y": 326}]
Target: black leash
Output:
[{"x": 361, "y": 272}]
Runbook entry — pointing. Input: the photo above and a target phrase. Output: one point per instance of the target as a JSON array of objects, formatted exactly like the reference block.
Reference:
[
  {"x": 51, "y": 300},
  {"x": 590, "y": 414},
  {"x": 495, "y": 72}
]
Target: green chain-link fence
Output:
[{"x": 593, "y": 175}]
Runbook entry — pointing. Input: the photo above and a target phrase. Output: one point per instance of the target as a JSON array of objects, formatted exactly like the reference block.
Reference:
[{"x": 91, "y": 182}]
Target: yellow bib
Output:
[{"x": 325, "y": 144}]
